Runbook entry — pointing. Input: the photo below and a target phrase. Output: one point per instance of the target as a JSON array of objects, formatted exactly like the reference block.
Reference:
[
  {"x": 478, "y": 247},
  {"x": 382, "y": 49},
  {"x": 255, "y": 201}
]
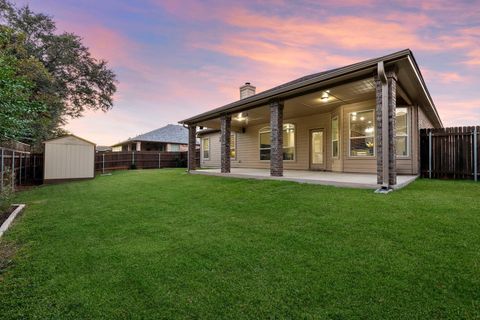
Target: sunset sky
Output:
[{"x": 175, "y": 59}]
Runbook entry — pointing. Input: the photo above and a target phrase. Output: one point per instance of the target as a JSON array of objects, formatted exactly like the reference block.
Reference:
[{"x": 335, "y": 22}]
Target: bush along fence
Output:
[
  {"x": 450, "y": 153},
  {"x": 19, "y": 167},
  {"x": 108, "y": 161}
]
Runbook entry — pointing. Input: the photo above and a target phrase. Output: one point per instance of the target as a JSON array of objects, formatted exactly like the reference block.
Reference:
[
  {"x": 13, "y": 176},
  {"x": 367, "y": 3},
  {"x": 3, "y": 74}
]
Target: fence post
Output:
[
  {"x": 133, "y": 157},
  {"x": 34, "y": 167},
  {"x": 430, "y": 154},
  {"x": 20, "y": 170},
  {"x": 103, "y": 163},
  {"x": 159, "y": 160},
  {"x": 13, "y": 169},
  {"x": 475, "y": 153},
  {"x": 1, "y": 182}
]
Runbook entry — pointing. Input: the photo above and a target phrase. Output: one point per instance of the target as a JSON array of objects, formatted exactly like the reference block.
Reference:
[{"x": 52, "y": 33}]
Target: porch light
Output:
[
  {"x": 362, "y": 118},
  {"x": 241, "y": 117},
  {"x": 325, "y": 96}
]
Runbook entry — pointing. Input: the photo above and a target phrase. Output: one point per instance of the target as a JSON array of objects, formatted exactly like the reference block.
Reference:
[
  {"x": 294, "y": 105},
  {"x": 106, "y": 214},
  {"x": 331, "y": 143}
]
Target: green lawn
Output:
[{"x": 163, "y": 244}]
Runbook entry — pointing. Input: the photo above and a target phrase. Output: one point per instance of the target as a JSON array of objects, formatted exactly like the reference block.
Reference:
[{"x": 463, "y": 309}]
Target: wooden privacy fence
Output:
[
  {"x": 27, "y": 167},
  {"x": 109, "y": 161},
  {"x": 450, "y": 153}
]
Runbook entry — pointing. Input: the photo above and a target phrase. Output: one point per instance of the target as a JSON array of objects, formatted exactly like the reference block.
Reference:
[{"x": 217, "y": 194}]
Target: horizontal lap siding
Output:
[
  {"x": 248, "y": 153},
  {"x": 248, "y": 144},
  {"x": 214, "y": 159}
]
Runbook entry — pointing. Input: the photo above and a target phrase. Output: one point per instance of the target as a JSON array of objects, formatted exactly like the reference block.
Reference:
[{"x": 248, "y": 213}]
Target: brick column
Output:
[
  {"x": 378, "y": 129},
  {"x": 192, "y": 147},
  {"x": 225, "y": 128},
  {"x": 392, "y": 107},
  {"x": 276, "y": 140}
]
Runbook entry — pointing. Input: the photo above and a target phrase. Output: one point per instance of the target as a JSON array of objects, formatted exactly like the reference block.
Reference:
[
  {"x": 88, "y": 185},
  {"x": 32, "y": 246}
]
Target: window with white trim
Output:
[
  {"x": 206, "y": 148},
  {"x": 362, "y": 133},
  {"x": 288, "y": 142},
  {"x": 402, "y": 132},
  {"x": 233, "y": 145},
  {"x": 335, "y": 137}
]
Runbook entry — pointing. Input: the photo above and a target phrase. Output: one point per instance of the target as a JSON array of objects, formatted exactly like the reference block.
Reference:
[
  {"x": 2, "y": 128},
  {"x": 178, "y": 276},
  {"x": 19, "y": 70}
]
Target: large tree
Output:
[{"x": 78, "y": 80}]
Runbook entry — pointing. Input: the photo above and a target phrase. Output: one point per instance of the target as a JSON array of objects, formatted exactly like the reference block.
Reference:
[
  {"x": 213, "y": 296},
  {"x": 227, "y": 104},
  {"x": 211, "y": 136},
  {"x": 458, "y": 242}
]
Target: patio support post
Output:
[
  {"x": 192, "y": 145},
  {"x": 276, "y": 140},
  {"x": 225, "y": 128},
  {"x": 386, "y": 84},
  {"x": 392, "y": 138}
]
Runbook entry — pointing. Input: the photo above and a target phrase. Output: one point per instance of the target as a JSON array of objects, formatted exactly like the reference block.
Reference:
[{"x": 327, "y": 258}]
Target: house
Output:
[
  {"x": 363, "y": 119},
  {"x": 169, "y": 138}
]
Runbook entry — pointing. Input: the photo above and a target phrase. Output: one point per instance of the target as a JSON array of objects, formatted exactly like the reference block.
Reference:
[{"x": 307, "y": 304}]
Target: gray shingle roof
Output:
[{"x": 170, "y": 133}]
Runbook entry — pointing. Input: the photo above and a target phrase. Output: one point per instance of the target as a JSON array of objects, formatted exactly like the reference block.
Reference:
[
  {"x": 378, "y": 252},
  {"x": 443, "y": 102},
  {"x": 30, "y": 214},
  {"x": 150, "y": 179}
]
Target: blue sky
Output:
[{"x": 175, "y": 59}]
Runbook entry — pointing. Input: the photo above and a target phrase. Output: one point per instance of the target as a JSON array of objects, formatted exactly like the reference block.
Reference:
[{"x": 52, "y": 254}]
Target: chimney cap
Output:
[{"x": 247, "y": 83}]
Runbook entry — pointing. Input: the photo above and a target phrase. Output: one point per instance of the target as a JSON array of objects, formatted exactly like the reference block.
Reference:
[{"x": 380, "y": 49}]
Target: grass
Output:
[{"x": 163, "y": 244}]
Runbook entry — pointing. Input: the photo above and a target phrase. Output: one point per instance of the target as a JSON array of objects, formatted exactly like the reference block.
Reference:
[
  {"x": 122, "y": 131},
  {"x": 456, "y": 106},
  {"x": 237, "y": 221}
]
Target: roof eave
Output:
[{"x": 260, "y": 98}]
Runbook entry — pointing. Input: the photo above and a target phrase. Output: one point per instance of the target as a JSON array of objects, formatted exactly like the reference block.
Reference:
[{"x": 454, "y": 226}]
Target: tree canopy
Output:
[{"x": 55, "y": 70}]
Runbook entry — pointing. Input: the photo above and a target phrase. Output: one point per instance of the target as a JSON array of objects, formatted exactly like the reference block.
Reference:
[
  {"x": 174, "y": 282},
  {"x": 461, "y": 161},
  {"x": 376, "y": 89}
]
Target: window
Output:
[
  {"x": 206, "y": 148},
  {"x": 362, "y": 134},
  {"x": 233, "y": 145},
  {"x": 335, "y": 137},
  {"x": 117, "y": 149},
  {"x": 288, "y": 142},
  {"x": 174, "y": 147},
  {"x": 402, "y": 131}
]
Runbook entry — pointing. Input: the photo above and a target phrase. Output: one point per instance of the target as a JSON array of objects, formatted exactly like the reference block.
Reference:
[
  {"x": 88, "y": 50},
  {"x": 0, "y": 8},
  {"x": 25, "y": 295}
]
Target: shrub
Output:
[{"x": 6, "y": 193}]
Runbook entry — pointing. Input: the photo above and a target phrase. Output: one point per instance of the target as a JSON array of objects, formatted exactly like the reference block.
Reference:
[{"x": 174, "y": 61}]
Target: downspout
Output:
[{"x": 385, "y": 136}]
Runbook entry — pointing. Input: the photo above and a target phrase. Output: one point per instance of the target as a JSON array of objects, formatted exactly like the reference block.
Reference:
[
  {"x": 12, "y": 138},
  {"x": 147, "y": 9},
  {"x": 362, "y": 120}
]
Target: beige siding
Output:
[
  {"x": 423, "y": 121},
  {"x": 248, "y": 144},
  {"x": 214, "y": 160},
  {"x": 69, "y": 158}
]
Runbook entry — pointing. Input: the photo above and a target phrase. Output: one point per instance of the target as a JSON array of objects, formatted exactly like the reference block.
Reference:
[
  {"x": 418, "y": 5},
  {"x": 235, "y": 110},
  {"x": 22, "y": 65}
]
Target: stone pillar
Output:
[
  {"x": 192, "y": 147},
  {"x": 391, "y": 109},
  {"x": 225, "y": 128},
  {"x": 139, "y": 146},
  {"x": 378, "y": 129},
  {"x": 276, "y": 140}
]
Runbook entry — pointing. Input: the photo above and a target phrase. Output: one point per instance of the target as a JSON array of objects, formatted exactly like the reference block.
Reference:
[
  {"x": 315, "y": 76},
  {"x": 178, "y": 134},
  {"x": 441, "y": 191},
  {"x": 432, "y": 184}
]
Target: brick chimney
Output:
[{"x": 247, "y": 90}]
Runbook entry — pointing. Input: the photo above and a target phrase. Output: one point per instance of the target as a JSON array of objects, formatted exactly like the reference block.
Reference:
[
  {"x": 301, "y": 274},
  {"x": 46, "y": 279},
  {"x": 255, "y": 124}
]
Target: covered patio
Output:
[{"x": 338, "y": 179}]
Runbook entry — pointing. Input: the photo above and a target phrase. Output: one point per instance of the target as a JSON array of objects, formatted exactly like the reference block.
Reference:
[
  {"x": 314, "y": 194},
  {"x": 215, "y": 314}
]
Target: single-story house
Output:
[
  {"x": 363, "y": 118},
  {"x": 170, "y": 138}
]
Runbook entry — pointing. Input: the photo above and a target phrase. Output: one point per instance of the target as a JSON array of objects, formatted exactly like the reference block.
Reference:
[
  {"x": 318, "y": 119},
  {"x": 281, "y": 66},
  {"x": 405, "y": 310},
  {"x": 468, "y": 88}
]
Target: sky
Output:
[{"x": 175, "y": 59}]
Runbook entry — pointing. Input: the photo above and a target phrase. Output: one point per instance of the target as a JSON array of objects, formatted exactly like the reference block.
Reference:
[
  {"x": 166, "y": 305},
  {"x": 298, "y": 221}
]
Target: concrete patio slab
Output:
[{"x": 338, "y": 179}]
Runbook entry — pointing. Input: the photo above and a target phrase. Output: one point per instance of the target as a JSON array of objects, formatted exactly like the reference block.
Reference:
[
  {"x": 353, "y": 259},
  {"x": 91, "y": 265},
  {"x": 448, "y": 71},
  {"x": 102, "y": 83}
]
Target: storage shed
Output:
[{"x": 68, "y": 158}]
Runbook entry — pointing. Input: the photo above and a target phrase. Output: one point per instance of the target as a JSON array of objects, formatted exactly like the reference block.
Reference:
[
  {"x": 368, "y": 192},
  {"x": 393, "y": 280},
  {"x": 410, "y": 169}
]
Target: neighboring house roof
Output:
[
  {"x": 169, "y": 134},
  {"x": 299, "y": 86}
]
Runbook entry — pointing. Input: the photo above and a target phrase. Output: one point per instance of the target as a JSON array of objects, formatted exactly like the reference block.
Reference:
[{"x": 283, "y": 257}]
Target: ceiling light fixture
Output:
[{"x": 325, "y": 96}]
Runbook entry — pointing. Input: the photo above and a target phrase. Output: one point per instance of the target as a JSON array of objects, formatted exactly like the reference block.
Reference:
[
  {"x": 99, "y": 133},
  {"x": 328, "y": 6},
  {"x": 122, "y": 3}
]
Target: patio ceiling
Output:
[{"x": 305, "y": 105}]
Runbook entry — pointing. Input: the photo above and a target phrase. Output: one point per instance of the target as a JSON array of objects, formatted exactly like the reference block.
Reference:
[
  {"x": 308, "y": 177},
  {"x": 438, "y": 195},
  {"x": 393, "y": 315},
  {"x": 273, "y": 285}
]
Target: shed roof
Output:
[{"x": 69, "y": 136}]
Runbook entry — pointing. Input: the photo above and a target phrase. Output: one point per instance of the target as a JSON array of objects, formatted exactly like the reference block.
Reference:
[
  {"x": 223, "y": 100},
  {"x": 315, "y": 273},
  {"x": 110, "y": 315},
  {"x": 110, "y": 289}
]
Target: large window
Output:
[
  {"x": 288, "y": 142},
  {"x": 233, "y": 145},
  {"x": 402, "y": 132},
  {"x": 206, "y": 148},
  {"x": 362, "y": 134},
  {"x": 335, "y": 137}
]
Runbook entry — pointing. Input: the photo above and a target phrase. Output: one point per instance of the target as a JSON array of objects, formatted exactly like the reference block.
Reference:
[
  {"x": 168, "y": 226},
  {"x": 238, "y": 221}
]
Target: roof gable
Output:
[{"x": 170, "y": 133}]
